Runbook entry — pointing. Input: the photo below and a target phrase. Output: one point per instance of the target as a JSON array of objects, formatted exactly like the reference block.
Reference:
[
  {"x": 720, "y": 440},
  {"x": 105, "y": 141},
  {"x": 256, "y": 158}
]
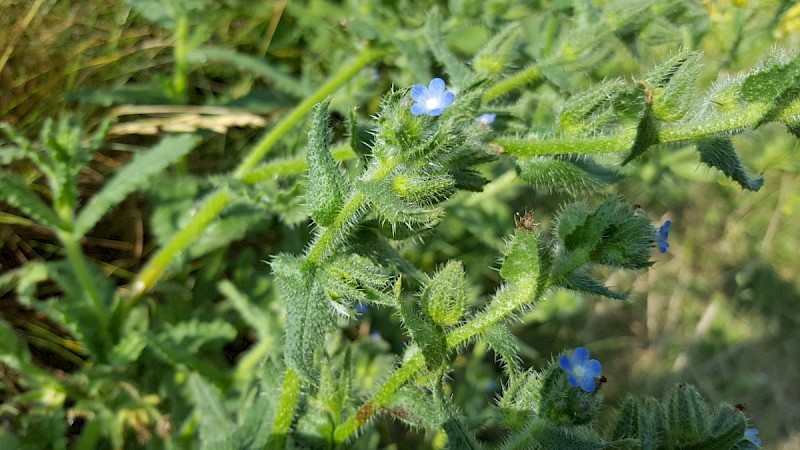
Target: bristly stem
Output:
[
  {"x": 622, "y": 141},
  {"x": 218, "y": 200},
  {"x": 506, "y": 301},
  {"x": 290, "y": 393},
  {"x": 367, "y": 56},
  {"x": 529, "y": 75}
]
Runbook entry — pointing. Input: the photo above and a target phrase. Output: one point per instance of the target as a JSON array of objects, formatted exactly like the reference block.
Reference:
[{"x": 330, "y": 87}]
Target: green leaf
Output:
[
  {"x": 457, "y": 70},
  {"x": 585, "y": 283},
  {"x": 135, "y": 175},
  {"x": 496, "y": 55},
  {"x": 308, "y": 312},
  {"x": 627, "y": 424},
  {"x": 414, "y": 407},
  {"x": 551, "y": 436},
  {"x": 719, "y": 153},
  {"x": 427, "y": 335},
  {"x": 252, "y": 314},
  {"x": 327, "y": 185},
  {"x": 652, "y": 424},
  {"x": 216, "y": 428},
  {"x": 565, "y": 174},
  {"x": 251, "y": 64},
  {"x": 687, "y": 414},
  {"x": 16, "y": 193},
  {"x": 444, "y": 297},
  {"x": 646, "y": 133},
  {"x": 506, "y": 347},
  {"x": 459, "y": 436}
]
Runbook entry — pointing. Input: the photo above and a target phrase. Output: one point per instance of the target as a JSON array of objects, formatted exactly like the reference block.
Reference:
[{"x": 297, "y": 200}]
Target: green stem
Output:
[
  {"x": 621, "y": 142},
  {"x": 179, "y": 242},
  {"x": 505, "y": 303},
  {"x": 79, "y": 265},
  {"x": 513, "y": 82},
  {"x": 290, "y": 393},
  {"x": 348, "y": 217},
  {"x": 293, "y": 166},
  {"x": 155, "y": 268},
  {"x": 281, "y": 128},
  {"x": 180, "y": 79}
]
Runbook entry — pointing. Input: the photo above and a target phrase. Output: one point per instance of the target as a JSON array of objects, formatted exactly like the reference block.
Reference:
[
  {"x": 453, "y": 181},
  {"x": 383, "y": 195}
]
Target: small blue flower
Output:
[
  {"x": 662, "y": 235},
  {"x": 581, "y": 371},
  {"x": 751, "y": 434},
  {"x": 486, "y": 119},
  {"x": 361, "y": 308},
  {"x": 375, "y": 336},
  {"x": 431, "y": 100}
]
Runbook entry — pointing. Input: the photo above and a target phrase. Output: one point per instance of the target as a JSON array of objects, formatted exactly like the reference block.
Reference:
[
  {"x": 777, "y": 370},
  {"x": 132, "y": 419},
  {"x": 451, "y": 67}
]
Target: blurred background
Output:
[{"x": 720, "y": 310}]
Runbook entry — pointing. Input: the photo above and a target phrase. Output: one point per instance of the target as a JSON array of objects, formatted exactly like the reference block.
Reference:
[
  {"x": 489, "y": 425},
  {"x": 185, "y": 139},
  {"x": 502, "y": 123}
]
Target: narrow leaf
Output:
[
  {"x": 646, "y": 133},
  {"x": 16, "y": 193},
  {"x": 216, "y": 428},
  {"x": 719, "y": 153},
  {"x": 308, "y": 312},
  {"x": 133, "y": 176},
  {"x": 326, "y": 183},
  {"x": 433, "y": 34},
  {"x": 256, "y": 66},
  {"x": 427, "y": 335}
]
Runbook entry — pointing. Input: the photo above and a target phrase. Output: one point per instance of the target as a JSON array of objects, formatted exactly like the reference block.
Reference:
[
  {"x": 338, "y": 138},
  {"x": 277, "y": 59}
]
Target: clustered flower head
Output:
[
  {"x": 662, "y": 235},
  {"x": 431, "y": 100},
  {"x": 751, "y": 434},
  {"x": 581, "y": 371}
]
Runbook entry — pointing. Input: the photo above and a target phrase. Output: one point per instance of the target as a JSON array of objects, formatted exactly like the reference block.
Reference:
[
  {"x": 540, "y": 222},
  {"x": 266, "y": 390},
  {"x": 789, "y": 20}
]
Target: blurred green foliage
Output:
[{"x": 718, "y": 311}]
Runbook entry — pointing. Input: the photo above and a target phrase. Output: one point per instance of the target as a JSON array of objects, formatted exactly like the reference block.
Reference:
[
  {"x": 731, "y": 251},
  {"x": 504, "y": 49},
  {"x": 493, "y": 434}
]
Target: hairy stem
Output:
[
  {"x": 529, "y": 75},
  {"x": 218, "y": 200},
  {"x": 281, "y": 128},
  {"x": 290, "y": 393},
  {"x": 621, "y": 142},
  {"x": 504, "y": 304}
]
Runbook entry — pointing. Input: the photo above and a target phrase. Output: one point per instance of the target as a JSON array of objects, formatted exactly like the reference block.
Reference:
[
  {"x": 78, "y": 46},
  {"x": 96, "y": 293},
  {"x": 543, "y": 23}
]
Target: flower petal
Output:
[
  {"x": 587, "y": 384},
  {"x": 436, "y": 85},
  {"x": 447, "y": 99},
  {"x": 580, "y": 356},
  {"x": 565, "y": 362},
  {"x": 593, "y": 368},
  {"x": 572, "y": 380},
  {"x": 417, "y": 109},
  {"x": 417, "y": 92},
  {"x": 436, "y": 112}
]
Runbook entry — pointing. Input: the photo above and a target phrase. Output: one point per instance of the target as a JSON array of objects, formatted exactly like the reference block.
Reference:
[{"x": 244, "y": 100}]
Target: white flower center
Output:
[
  {"x": 579, "y": 371},
  {"x": 432, "y": 103}
]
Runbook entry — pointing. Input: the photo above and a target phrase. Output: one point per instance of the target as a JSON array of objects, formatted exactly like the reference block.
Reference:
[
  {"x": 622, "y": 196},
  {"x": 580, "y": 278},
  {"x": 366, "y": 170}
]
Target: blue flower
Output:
[
  {"x": 751, "y": 434},
  {"x": 431, "y": 100},
  {"x": 361, "y": 308},
  {"x": 662, "y": 235},
  {"x": 581, "y": 371},
  {"x": 486, "y": 119}
]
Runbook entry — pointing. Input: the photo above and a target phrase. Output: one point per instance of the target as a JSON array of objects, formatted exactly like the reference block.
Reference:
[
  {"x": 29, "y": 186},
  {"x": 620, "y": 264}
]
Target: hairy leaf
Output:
[
  {"x": 14, "y": 192},
  {"x": 308, "y": 312},
  {"x": 327, "y": 186},
  {"x": 135, "y": 175},
  {"x": 216, "y": 428},
  {"x": 719, "y": 153}
]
